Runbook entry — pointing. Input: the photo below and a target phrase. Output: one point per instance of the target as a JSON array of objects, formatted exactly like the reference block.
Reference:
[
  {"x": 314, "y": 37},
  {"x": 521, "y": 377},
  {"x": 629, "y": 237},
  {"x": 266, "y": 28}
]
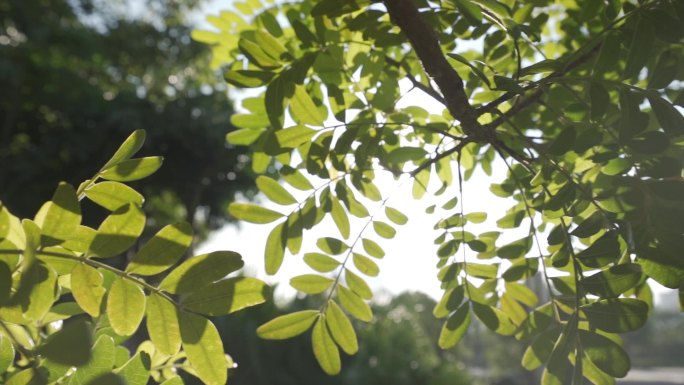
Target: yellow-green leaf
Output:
[
  {"x": 357, "y": 284},
  {"x": 288, "y": 325},
  {"x": 118, "y": 232},
  {"x": 112, "y": 195},
  {"x": 62, "y": 216},
  {"x": 163, "y": 250},
  {"x": 455, "y": 327},
  {"x": 311, "y": 283},
  {"x": 366, "y": 265},
  {"x": 101, "y": 363},
  {"x": 202, "y": 343},
  {"x": 354, "y": 304},
  {"x": 274, "y": 191},
  {"x": 303, "y": 108},
  {"x": 341, "y": 328},
  {"x": 198, "y": 272},
  {"x": 324, "y": 348},
  {"x": 226, "y": 296},
  {"x": 395, "y": 216},
  {"x": 87, "y": 289},
  {"x": 253, "y": 213},
  {"x": 127, "y": 149},
  {"x": 321, "y": 262},
  {"x": 125, "y": 307},
  {"x": 133, "y": 169},
  {"x": 162, "y": 324},
  {"x": 340, "y": 218},
  {"x": 137, "y": 370},
  {"x": 275, "y": 249}
]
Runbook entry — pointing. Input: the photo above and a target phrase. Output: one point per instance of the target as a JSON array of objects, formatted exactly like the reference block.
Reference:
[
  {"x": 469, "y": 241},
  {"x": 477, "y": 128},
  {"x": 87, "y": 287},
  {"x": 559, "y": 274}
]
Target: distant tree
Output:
[
  {"x": 77, "y": 75},
  {"x": 579, "y": 101}
]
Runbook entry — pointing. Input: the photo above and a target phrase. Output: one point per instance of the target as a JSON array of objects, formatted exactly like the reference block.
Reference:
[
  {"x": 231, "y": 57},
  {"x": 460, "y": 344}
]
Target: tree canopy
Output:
[{"x": 579, "y": 100}]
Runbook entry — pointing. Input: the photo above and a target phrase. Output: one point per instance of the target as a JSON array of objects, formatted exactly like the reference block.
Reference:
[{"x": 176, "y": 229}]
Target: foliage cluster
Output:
[
  {"x": 65, "y": 312},
  {"x": 580, "y": 101}
]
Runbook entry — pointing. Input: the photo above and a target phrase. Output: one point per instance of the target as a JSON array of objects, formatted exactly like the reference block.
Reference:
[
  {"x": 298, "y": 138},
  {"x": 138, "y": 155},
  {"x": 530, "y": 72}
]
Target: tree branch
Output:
[{"x": 426, "y": 45}]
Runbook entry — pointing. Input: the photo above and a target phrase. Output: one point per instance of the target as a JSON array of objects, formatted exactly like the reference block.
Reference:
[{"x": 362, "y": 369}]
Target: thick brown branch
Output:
[{"x": 426, "y": 45}]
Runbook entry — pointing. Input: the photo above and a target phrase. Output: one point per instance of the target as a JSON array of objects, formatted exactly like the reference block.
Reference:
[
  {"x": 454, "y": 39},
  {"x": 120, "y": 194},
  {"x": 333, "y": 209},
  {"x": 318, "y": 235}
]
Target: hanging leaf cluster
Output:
[
  {"x": 66, "y": 310},
  {"x": 581, "y": 102}
]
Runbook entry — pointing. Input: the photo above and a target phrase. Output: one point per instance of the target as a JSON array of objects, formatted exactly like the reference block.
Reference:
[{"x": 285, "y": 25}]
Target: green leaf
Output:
[
  {"x": 616, "y": 315},
  {"x": 332, "y": 246},
  {"x": 357, "y": 284},
  {"x": 5, "y": 282},
  {"x": 274, "y": 191},
  {"x": 340, "y": 218},
  {"x": 256, "y": 55},
  {"x": 125, "y": 307},
  {"x": 275, "y": 249},
  {"x": 614, "y": 281},
  {"x": 541, "y": 348},
  {"x": 102, "y": 362},
  {"x": 63, "y": 214},
  {"x": 80, "y": 239},
  {"x": 640, "y": 48},
  {"x": 226, "y": 296},
  {"x": 31, "y": 376},
  {"x": 602, "y": 252},
  {"x": 395, "y": 216},
  {"x": 494, "y": 319},
  {"x": 118, "y": 232},
  {"x": 75, "y": 337},
  {"x": 87, "y": 288},
  {"x": 341, "y": 328},
  {"x": 589, "y": 226},
  {"x": 311, "y": 283},
  {"x": 127, "y": 149},
  {"x": 384, "y": 230},
  {"x": 479, "y": 270},
  {"x": 162, "y": 324},
  {"x": 6, "y": 353},
  {"x": 137, "y": 370},
  {"x": 469, "y": 10},
  {"x": 173, "y": 381},
  {"x": 288, "y": 325},
  {"x": 372, "y": 248},
  {"x": 163, "y": 250},
  {"x": 354, "y": 304},
  {"x": 321, "y": 262},
  {"x": 253, "y": 213},
  {"x": 607, "y": 355},
  {"x": 133, "y": 169},
  {"x": 198, "y": 272},
  {"x": 270, "y": 45},
  {"x": 303, "y": 108},
  {"x": 558, "y": 368},
  {"x": 295, "y": 178},
  {"x": 108, "y": 379},
  {"x": 202, "y": 343},
  {"x": 324, "y": 348},
  {"x": 36, "y": 292},
  {"x": 295, "y": 136},
  {"x": 406, "y": 154},
  {"x": 668, "y": 116},
  {"x": 455, "y": 327},
  {"x": 667, "y": 271},
  {"x": 366, "y": 265},
  {"x": 247, "y": 78},
  {"x": 112, "y": 195}
]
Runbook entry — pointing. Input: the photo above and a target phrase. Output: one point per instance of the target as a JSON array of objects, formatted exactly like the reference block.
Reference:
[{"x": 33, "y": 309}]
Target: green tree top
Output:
[{"x": 579, "y": 100}]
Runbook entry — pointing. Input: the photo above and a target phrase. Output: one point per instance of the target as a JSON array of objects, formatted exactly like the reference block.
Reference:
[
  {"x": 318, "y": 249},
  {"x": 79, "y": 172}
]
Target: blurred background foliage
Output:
[{"x": 77, "y": 76}]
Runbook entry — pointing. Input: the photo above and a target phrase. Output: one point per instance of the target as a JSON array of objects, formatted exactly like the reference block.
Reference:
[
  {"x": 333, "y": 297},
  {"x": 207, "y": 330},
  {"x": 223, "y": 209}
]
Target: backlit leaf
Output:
[
  {"x": 616, "y": 315},
  {"x": 197, "y": 272},
  {"x": 274, "y": 191},
  {"x": 607, "y": 355},
  {"x": 365, "y": 265},
  {"x": 357, "y": 284},
  {"x": 127, "y": 149},
  {"x": 324, "y": 348},
  {"x": 455, "y": 327},
  {"x": 133, "y": 169},
  {"x": 226, "y": 296},
  {"x": 288, "y": 325},
  {"x": 125, "y": 307},
  {"x": 321, "y": 262},
  {"x": 112, "y": 195},
  {"x": 163, "y": 250},
  {"x": 63, "y": 214},
  {"x": 311, "y": 283},
  {"x": 87, "y": 288},
  {"x": 118, "y": 232},
  {"x": 162, "y": 324},
  {"x": 253, "y": 213},
  {"x": 354, "y": 304},
  {"x": 304, "y": 110},
  {"x": 341, "y": 328},
  {"x": 202, "y": 343}
]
